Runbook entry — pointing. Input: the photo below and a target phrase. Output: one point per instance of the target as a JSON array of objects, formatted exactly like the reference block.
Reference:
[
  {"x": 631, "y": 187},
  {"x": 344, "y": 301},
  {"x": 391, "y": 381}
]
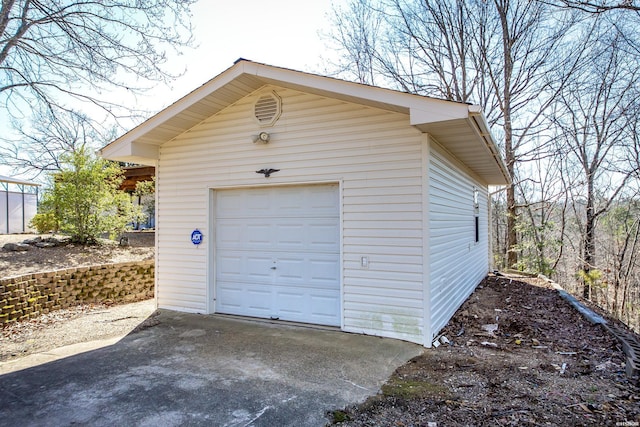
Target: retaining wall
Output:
[{"x": 26, "y": 297}]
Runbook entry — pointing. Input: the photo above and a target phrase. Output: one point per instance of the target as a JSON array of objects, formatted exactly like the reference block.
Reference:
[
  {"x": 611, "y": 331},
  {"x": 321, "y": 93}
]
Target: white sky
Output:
[{"x": 283, "y": 33}]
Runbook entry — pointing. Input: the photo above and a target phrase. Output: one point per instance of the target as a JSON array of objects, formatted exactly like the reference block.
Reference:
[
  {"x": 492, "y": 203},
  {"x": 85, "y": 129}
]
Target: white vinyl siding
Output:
[
  {"x": 457, "y": 262},
  {"x": 374, "y": 155}
]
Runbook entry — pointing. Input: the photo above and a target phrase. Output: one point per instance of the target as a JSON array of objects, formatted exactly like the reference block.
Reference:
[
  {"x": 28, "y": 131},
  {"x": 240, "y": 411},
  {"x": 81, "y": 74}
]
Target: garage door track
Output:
[{"x": 205, "y": 370}]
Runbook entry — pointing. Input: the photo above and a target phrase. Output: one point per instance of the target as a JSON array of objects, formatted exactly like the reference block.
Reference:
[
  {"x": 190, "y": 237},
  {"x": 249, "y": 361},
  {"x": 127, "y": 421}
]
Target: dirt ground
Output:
[
  {"x": 544, "y": 364},
  {"x": 141, "y": 247}
]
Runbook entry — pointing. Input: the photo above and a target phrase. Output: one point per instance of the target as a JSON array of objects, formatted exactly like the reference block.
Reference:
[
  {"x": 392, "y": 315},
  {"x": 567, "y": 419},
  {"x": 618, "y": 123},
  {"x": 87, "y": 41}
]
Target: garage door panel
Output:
[
  {"x": 258, "y": 300},
  {"x": 289, "y": 305},
  {"x": 277, "y": 253},
  {"x": 323, "y": 199},
  {"x": 323, "y": 235},
  {"x": 324, "y": 271},
  {"x": 230, "y": 296},
  {"x": 282, "y": 234},
  {"x": 229, "y": 234},
  {"x": 324, "y": 308},
  {"x": 237, "y": 266},
  {"x": 290, "y": 270},
  {"x": 289, "y": 236},
  {"x": 308, "y": 270},
  {"x": 228, "y": 202},
  {"x": 230, "y": 267},
  {"x": 238, "y": 298},
  {"x": 258, "y": 268},
  {"x": 258, "y": 236}
]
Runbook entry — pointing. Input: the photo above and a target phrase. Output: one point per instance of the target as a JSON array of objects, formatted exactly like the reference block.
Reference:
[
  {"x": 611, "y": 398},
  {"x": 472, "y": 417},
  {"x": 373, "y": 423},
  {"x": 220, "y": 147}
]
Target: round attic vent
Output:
[{"x": 267, "y": 109}]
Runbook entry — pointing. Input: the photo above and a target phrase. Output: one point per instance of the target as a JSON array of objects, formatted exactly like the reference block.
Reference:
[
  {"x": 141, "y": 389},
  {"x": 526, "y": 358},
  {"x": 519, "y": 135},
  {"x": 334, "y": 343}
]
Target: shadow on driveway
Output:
[{"x": 205, "y": 370}]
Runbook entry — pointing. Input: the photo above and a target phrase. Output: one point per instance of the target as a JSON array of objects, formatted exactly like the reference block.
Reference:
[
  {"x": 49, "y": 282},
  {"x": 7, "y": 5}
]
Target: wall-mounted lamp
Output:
[{"x": 263, "y": 137}]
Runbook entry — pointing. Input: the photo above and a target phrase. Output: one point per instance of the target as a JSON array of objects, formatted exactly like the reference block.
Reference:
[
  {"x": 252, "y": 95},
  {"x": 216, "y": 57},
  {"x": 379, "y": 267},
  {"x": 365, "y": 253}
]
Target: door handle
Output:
[{"x": 273, "y": 268}]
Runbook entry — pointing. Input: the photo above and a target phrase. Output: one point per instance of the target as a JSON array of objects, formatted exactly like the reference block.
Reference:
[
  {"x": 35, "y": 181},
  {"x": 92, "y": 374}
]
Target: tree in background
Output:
[
  {"x": 84, "y": 200},
  {"x": 621, "y": 253},
  {"x": 53, "y": 133},
  {"x": 595, "y": 117},
  {"x": 61, "y": 56},
  {"x": 145, "y": 192},
  {"x": 497, "y": 54},
  {"x": 558, "y": 81}
]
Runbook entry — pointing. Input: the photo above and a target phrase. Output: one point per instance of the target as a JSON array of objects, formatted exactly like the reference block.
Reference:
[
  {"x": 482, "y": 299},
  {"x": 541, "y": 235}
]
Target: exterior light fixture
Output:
[{"x": 262, "y": 137}]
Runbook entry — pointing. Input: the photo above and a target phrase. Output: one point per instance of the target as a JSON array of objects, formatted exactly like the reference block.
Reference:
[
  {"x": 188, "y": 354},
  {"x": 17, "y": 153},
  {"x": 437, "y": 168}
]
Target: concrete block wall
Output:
[{"x": 27, "y": 297}]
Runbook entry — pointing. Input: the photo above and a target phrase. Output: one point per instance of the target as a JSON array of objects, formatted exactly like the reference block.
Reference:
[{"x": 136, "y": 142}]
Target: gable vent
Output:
[{"x": 267, "y": 109}]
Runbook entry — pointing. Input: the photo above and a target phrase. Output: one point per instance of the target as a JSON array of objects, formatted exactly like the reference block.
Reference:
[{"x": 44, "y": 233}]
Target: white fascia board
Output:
[
  {"x": 333, "y": 87},
  {"x": 434, "y": 110},
  {"x": 145, "y": 150},
  {"x": 131, "y": 152}
]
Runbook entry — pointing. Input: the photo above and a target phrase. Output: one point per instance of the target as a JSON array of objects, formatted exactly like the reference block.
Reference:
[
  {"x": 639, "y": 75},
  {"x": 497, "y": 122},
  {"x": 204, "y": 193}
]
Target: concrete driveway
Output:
[{"x": 205, "y": 370}]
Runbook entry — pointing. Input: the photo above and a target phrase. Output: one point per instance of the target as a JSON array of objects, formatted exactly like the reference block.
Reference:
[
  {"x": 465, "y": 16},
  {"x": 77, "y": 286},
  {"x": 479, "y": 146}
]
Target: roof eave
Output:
[
  {"x": 482, "y": 127},
  {"x": 141, "y": 144},
  {"x": 474, "y": 128}
]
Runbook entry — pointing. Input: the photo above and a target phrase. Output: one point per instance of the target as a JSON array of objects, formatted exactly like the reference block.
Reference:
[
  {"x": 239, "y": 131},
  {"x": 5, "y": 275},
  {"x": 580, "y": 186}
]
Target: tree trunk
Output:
[
  {"x": 512, "y": 236},
  {"x": 509, "y": 154},
  {"x": 589, "y": 242}
]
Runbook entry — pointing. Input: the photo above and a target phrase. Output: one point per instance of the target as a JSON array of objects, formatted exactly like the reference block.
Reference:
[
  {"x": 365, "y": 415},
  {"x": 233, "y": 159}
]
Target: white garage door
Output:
[{"x": 278, "y": 254}]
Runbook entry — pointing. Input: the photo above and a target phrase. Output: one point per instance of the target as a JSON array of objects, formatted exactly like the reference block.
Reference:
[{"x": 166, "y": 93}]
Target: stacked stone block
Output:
[{"x": 26, "y": 297}]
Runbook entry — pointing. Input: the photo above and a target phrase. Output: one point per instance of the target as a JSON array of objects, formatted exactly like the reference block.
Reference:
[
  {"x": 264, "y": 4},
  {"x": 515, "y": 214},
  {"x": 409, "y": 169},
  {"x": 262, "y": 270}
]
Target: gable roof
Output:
[{"x": 460, "y": 128}]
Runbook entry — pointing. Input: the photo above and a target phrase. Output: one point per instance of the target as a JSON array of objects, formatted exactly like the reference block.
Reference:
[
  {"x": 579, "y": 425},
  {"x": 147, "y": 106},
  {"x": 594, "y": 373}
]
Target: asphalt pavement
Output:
[{"x": 192, "y": 370}]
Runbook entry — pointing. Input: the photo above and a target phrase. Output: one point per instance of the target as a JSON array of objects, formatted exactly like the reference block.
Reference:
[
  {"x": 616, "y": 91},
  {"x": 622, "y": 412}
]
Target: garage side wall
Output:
[
  {"x": 374, "y": 155},
  {"x": 458, "y": 262}
]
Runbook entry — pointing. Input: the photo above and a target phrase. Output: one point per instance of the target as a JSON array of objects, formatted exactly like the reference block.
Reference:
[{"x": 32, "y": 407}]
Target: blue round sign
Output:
[{"x": 196, "y": 237}]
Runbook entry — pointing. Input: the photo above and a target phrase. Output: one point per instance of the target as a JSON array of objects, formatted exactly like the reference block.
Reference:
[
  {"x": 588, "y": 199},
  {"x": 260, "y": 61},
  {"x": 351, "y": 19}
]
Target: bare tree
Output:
[
  {"x": 621, "y": 226},
  {"x": 357, "y": 30},
  {"x": 597, "y": 7},
  {"x": 595, "y": 118},
  {"x": 53, "y": 132},
  {"x": 498, "y": 54},
  {"x": 61, "y": 54},
  {"x": 543, "y": 223}
]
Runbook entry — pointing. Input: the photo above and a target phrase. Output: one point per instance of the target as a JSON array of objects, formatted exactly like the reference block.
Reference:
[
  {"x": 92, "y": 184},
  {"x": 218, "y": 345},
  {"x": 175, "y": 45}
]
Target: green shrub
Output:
[{"x": 44, "y": 222}]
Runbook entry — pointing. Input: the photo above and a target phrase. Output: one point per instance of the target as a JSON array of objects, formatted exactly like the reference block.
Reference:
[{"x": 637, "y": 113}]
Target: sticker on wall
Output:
[{"x": 196, "y": 237}]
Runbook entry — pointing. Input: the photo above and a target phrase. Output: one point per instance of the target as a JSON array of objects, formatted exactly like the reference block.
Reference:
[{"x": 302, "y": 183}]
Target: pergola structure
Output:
[
  {"x": 18, "y": 204},
  {"x": 135, "y": 174}
]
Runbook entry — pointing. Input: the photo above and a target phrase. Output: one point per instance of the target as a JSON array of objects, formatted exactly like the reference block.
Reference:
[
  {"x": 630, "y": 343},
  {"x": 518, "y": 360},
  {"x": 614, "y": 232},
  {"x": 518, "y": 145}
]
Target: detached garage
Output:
[{"x": 291, "y": 196}]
